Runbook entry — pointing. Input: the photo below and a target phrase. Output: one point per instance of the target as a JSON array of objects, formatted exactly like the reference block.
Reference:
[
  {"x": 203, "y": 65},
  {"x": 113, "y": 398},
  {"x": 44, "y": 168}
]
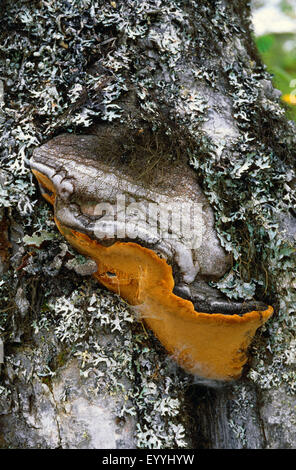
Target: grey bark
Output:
[{"x": 187, "y": 77}]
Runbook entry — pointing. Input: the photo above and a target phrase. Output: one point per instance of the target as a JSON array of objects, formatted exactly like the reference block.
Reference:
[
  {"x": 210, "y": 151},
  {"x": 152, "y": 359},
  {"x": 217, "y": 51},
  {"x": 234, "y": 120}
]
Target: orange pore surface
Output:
[{"x": 212, "y": 346}]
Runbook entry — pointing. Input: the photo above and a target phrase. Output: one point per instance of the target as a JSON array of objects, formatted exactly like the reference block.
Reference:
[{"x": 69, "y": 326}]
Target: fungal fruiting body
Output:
[{"x": 210, "y": 345}]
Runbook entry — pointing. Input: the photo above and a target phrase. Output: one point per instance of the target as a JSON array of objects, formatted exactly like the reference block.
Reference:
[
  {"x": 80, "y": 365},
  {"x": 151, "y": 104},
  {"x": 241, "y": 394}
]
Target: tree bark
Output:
[{"x": 169, "y": 81}]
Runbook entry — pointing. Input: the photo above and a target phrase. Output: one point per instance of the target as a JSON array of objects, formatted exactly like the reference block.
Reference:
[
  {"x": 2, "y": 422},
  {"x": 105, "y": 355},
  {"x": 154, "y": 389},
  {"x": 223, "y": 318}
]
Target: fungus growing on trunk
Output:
[{"x": 211, "y": 343}]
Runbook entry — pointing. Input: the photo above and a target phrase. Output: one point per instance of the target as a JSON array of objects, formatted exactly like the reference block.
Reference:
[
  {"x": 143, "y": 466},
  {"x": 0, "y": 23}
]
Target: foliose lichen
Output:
[{"x": 69, "y": 65}]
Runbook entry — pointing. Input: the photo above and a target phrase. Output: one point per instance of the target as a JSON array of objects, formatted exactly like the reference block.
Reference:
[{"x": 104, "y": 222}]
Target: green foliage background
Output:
[{"x": 278, "y": 52}]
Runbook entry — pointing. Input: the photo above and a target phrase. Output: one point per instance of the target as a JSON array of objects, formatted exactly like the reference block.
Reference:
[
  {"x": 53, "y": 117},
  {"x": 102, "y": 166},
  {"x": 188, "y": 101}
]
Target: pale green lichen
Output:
[
  {"x": 113, "y": 347},
  {"x": 50, "y": 88}
]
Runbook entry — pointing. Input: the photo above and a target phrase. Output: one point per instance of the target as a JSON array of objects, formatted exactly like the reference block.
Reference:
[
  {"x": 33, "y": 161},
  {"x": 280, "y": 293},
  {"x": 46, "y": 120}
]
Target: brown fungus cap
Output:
[{"x": 212, "y": 346}]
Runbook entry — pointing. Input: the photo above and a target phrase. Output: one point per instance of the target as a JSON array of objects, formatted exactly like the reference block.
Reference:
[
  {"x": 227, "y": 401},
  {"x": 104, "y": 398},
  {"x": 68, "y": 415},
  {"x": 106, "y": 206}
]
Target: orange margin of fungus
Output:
[{"x": 212, "y": 346}]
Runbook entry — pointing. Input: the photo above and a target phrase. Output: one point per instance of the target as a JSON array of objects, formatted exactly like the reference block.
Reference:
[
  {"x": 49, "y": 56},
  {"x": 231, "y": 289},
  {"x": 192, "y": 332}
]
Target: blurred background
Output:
[{"x": 275, "y": 35}]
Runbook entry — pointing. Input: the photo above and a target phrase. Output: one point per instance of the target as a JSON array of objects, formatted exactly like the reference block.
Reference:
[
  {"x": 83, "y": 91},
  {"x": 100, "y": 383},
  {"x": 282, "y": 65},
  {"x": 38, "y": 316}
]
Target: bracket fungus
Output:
[{"x": 159, "y": 268}]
